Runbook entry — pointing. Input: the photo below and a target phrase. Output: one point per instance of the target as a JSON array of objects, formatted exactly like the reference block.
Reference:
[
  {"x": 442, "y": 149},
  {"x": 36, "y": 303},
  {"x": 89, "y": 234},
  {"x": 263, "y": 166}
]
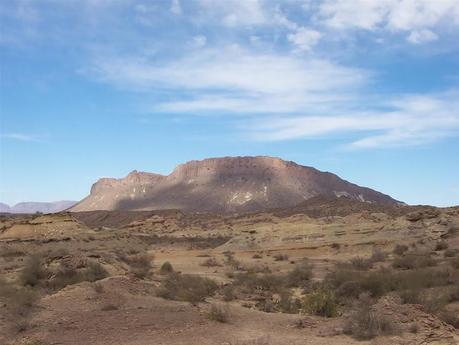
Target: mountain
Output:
[
  {"x": 34, "y": 207},
  {"x": 228, "y": 184},
  {"x": 4, "y": 208}
]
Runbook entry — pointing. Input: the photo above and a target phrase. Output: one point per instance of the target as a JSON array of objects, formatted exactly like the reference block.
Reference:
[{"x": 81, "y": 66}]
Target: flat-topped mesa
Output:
[{"x": 227, "y": 184}]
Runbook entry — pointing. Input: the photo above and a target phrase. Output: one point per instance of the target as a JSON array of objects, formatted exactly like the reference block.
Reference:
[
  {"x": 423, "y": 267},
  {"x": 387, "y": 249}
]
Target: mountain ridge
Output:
[
  {"x": 226, "y": 184},
  {"x": 35, "y": 206}
]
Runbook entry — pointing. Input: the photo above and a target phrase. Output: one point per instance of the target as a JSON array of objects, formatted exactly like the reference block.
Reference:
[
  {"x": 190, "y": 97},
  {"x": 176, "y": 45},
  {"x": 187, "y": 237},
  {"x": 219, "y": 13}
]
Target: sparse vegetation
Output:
[
  {"x": 367, "y": 323},
  {"x": 68, "y": 275},
  {"x": 321, "y": 302},
  {"x": 186, "y": 287},
  {"x": 400, "y": 249},
  {"x": 166, "y": 268},
  {"x": 361, "y": 264},
  {"x": 280, "y": 257},
  {"x": 33, "y": 271},
  {"x": 219, "y": 313},
  {"x": 378, "y": 256},
  {"x": 211, "y": 262},
  {"x": 411, "y": 261},
  {"x": 139, "y": 265},
  {"x": 441, "y": 245}
]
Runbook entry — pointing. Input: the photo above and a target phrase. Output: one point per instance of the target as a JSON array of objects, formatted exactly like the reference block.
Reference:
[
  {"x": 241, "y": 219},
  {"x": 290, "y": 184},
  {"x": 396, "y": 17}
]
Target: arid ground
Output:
[{"x": 326, "y": 272}]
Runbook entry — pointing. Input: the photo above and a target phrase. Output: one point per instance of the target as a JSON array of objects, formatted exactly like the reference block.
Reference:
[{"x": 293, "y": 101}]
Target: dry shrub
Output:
[
  {"x": 139, "y": 265},
  {"x": 262, "y": 282},
  {"x": 18, "y": 303},
  {"x": 231, "y": 261},
  {"x": 280, "y": 257},
  {"x": 367, "y": 323},
  {"x": 412, "y": 261},
  {"x": 219, "y": 313},
  {"x": 257, "y": 256},
  {"x": 228, "y": 293},
  {"x": 441, "y": 245},
  {"x": 321, "y": 302},
  {"x": 400, "y": 249},
  {"x": 335, "y": 245},
  {"x": 361, "y": 264},
  {"x": 66, "y": 275},
  {"x": 378, "y": 255},
  {"x": 299, "y": 276},
  {"x": 211, "y": 262},
  {"x": 166, "y": 268},
  {"x": 33, "y": 271},
  {"x": 186, "y": 287},
  {"x": 289, "y": 304}
]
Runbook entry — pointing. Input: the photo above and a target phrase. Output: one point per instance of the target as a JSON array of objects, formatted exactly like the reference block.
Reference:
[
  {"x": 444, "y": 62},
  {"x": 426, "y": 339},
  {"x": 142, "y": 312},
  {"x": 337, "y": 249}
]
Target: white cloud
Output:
[
  {"x": 304, "y": 39},
  {"x": 420, "y": 17},
  {"x": 235, "y": 80},
  {"x": 199, "y": 41},
  {"x": 234, "y": 13},
  {"x": 176, "y": 8},
  {"x": 19, "y": 136},
  {"x": 411, "y": 120},
  {"x": 421, "y": 36}
]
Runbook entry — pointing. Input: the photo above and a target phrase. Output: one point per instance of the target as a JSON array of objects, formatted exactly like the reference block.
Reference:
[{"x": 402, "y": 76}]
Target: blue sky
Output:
[{"x": 366, "y": 89}]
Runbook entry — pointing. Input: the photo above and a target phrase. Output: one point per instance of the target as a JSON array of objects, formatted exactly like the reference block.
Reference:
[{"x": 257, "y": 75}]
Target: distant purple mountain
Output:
[{"x": 34, "y": 207}]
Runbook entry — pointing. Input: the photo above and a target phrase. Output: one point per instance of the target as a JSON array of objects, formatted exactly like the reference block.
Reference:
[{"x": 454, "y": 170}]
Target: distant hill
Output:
[
  {"x": 229, "y": 184},
  {"x": 34, "y": 207}
]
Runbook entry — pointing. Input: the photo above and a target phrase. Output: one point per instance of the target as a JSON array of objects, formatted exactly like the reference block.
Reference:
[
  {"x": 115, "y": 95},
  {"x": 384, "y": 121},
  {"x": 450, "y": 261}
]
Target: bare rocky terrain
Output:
[
  {"x": 327, "y": 271},
  {"x": 229, "y": 184}
]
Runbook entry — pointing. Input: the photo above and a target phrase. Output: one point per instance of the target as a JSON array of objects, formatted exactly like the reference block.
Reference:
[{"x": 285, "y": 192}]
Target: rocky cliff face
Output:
[{"x": 229, "y": 184}]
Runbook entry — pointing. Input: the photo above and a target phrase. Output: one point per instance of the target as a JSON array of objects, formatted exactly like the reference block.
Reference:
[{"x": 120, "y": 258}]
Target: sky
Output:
[{"x": 366, "y": 89}]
